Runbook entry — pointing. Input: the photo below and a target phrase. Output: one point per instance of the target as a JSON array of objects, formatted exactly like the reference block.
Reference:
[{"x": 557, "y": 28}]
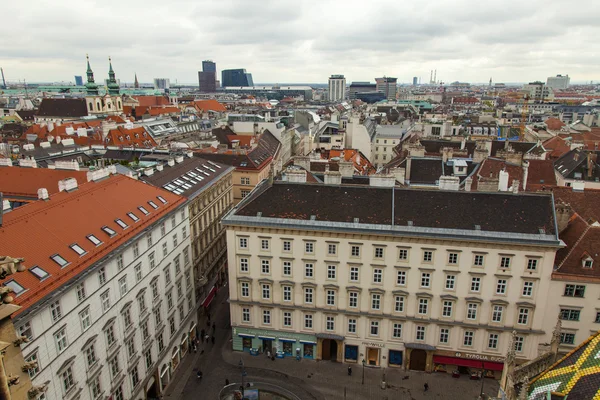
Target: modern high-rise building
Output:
[
  {"x": 337, "y": 87},
  {"x": 161, "y": 83},
  {"x": 558, "y": 82},
  {"x": 415, "y": 81},
  {"x": 360, "y": 87},
  {"x": 207, "y": 78},
  {"x": 236, "y": 77},
  {"x": 388, "y": 86},
  {"x": 79, "y": 80}
]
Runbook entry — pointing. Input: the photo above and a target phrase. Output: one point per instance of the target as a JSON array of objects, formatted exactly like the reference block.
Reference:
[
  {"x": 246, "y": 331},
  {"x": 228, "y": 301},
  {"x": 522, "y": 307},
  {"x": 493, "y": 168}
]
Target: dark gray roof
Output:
[{"x": 67, "y": 108}]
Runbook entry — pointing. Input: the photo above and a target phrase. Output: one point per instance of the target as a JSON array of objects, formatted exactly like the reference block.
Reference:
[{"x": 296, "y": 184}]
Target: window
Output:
[
  {"x": 136, "y": 250},
  {"x": 109, "y": 231},
  {"x": 138, "y": 272},
  {"x": 378, "y": 252},
  {"x": 308, "y": 270},
  {"x": 450, "y": 282},
  {"x": 452, "y": 258},
  {"x": 102, "y": 276},
  {"x": 353, "y": 274},
  {"x": 287, "y": 319},
  {"x": 244, "y": 180},
  {"x": 25, "y": 330},
  {"x": 331, "y": 272},
  {"x": 355, "y": 251},
  {"x": 475, "y": 284},
  {"x": 121, "y": 223},
  {"x": 33, "y": 358},
  {"x": 331, "y": 249},
  {"x": 265, "y": 266},
  {"x": 574, "y": 290},
  {"x": 80, "y": 292},
  {"x": 444, "y": 335},
  {"x": 105, "y": 300},
  {"x": 157, "y": 317},
  {"x": 266, "y": 317},
  {"x": 567, "y": 338},
  {"x": 151, "y": 260},
  {"x": 287, "y": 268},
  {"x": 468, "y": 339},
  {"x": 90, "y": 356},
  {"x": 420, "y": 333},
  {"x": 154, "y": 288},
  {"x": 173, "y": 221},
  {"x": 493, "y": 341},
  {"x": 186, "y": 255},
  {"x": 519, "y": 340},
  {"x": 532, "y": 264},
  {"x": 375, "y": 301},
  {"x": 472, "y": 310},
  {"x": 163, "y": 229},
  {"x": 85, "y": 318},
  {"x": 527, "y": 289},
  {"x": 478, "y": 262},
  {"x": 497, "y": 313},
  {"x": 425, "y": 279},
  {"x": 170, "y": 300},
  {"x": 175, "y": 242},
  {"x": 399, "y": 304},
  {"x": 243, "y": 264},
  {"x": 264, "y": 244},
  {"x": 152, "y": 204},
  {"x": 308, "y": 295},
  {"x": 401, "y": 278},
  {"x": 501, "y": 286},
  {"x": 287, "y": 293},
  {"x": 597, "y": 317},
  {"x": 266, "y": 291},
  {"x": 523, "y": 318},
  {"x": 423, "y": 306},
  {"x": 374, "y": 331},
  {"x": 67, "y": 380},
  {"x": 308, "y": 321},
  {"x": 120, "y": 264},
  {"x": 57, "y": 258},
  {"x": 588, "y": 263},
  {"x": 114, "y": 367},
  {"x": 130, "y": 346},
  {"x": 403, "y": 254},
  {"x": 135, "y": 379},
  {"x": 447, "y": 308},
  {"x": 377, "y": 275},
  {"x": 331, "y": 297},
  {"x": 569, "y": 314},
  {"x": 55, "y": 311},
  {"x": 123, "y": 286},
  {"x": 149, "y": 240},
  {"x": 160, "y": 342},
  {"x": 145, "y": 330},
  {"x": 351, "y": 325},
  {"x": 148, "y": 358},
  {"x": 427, "y": 256},
  {"x": 133, "y": 216},
  {"x": 245, "y": 289},
  {"x": 95, "y": 241},
  {"x": 172, "y": 325},
  {"x": 505, "y": 262},
  {"x": 110, "y": 336},
  {"x": 167, "y": 273},
  {"x": 60, "y": 338},
  {"x": 245, "y": 193},
  {"x": 78, "y": 249},
  {"x": 245, "y": 314},
  {"x": 243, "y": 243},
  {"x": 309, "y": 247},
  {"x": 143, "y": 210},
  {"x": 330, "y": 323},
  {"x": 142, "y": 302}
]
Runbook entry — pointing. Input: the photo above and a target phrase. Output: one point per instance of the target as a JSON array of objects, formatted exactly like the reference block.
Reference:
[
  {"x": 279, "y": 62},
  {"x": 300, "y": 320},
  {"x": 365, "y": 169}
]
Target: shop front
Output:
[
  {"x": 330, "y": 347},
  {"x": 374, "y": 354},
  {"x": 419, "y": 357},
  {"x": 280, "y": 344},
  {"x": 471, "y": 364}
]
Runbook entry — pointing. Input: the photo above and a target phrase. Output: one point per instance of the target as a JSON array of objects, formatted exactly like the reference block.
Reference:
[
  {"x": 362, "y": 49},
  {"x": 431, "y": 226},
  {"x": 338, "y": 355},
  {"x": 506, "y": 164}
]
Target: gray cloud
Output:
[{"x": 302, "y": 40}]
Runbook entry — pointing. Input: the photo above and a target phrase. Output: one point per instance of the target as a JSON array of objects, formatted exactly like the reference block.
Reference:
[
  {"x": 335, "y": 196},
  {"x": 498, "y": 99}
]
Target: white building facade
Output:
[
  {"x": 558, "y": 82},
  {"x": 406, "y": 295},
  {"x": 337, "y": 88}
]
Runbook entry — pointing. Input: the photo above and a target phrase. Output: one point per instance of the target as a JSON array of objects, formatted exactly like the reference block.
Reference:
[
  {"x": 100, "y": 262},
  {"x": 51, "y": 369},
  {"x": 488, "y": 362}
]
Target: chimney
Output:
[
  {"x": 399, "y": 173},
  {"x": 67, "y": 185},
  {"x": 171, "y": 162},
  {"x": 333, "y": 178},
  {"x": 563, "y": 215},
  {"x": 525, "y": 173},
  {"x": 503, "y": 181},
  {"x": 382, "y": 180},
  {"x": 179, "y": 159},
  {"x": 468, "y": 184},
  {"x": 515, "y": 186},
  {"x": 43, "y": 194},
  {"x": 6, "y": 162},
  {"x": 449, "y": 183},
  {"x": 159, "y": 167},
  {"x": 408, "y": 164},
  {"x": 346, "y": 169},
  {"x": 591, "y": 161},
  {"x": 302, "y": 161}
]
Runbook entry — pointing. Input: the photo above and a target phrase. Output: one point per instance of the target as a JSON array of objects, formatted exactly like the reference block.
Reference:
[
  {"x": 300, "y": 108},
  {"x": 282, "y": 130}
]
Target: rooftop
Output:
[
  {"x": 25, "y": 182},
  {"x": 70, "y": 108}
]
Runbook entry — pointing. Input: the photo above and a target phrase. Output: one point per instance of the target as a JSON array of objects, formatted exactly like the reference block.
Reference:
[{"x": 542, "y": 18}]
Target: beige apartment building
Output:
[{"x": 425, "y": 280}]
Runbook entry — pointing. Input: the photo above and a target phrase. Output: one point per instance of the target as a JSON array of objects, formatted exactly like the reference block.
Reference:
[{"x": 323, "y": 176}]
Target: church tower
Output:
[
  {"x": 136, "y": 84},
  {"x": 90, "y": 87},
  {"x": 113, "y": 86}
]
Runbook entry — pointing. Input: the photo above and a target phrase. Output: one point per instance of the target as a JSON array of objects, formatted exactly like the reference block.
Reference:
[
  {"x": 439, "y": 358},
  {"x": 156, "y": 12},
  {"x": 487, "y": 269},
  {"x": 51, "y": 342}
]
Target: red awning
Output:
[
  {"x": 461, "y": 362},
  {"x": 210, "y": 297},
  {"x": 493, "y": 366}
]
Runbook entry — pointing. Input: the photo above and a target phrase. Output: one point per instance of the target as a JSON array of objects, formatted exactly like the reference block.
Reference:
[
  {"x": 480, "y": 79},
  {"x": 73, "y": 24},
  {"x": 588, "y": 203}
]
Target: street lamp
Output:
[
  {"x": 241, "y": 364},
  {"x": 482, "y": 377},
  {"x": 363, "y": 377}
]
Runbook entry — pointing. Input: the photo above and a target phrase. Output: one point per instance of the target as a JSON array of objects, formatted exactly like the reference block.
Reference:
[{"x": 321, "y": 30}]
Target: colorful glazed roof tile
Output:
[{"x": 577, "y": 375}]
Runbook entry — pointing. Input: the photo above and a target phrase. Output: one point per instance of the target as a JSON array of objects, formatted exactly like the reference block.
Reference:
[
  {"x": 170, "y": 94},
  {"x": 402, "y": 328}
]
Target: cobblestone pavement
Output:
[{"x": 310, "y": 380}]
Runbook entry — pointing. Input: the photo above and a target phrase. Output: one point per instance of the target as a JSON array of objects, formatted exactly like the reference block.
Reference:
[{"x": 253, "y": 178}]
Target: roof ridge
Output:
[{"x": 575, "y": 244}]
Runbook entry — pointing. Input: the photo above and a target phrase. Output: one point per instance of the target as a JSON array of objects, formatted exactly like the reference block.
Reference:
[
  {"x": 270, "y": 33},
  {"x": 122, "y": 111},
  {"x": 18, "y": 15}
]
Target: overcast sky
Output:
[{"x": 302, "y": 40}]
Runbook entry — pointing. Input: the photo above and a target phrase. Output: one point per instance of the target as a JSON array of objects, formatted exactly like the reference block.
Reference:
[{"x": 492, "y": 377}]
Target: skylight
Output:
[
  {"x": 94, "y": 240},
  {"x": 153, "y": 204},
  {"x": 57, "y": 258},
  {"x": 133, "y": 216},
  {"x": 162, "y": 199},
  {"x": 121, "y": 223},
  {"x": 40, "y": 273},
  {"x": 14, "y": 285},
  {"x": 78, "y": 249},
  {"x": 109, "y": 231},
  {"x": 143, "y": 210}
]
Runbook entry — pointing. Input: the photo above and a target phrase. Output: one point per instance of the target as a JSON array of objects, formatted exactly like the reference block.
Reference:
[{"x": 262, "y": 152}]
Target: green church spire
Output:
[
  {"x": 90, "y": 86},
  {"x": 113, "y": 86}
]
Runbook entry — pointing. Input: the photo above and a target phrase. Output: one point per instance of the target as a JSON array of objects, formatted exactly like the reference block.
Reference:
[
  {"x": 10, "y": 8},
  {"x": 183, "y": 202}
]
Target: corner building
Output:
[{"x": 425, "y": 280}]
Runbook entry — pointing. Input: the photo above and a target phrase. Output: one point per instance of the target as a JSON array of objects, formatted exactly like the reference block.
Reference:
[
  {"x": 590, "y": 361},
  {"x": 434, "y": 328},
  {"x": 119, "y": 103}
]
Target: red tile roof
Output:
[
  {"x": 209, "y": 105},
  {"x": 491, "y": 167},
  {"x": 154, "y": 111},
  {"x": 584, "y": 203},
  {"x": 557, "y": 147},
  {"x": 583, "y": 242},
  {"x": 554, "y": 124},
  {"x": 41, "y": 229},
  {"x": 149, "y": 101},
  {"x": 540, "y": 175},
  {"x": 17, "y": 181},
  {"x": 361, "y": 164},
  {"x": 136, "y": 137}
]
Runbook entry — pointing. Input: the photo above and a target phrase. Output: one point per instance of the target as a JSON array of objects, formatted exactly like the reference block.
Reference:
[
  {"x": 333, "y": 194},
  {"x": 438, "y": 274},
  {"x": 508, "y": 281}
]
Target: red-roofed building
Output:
[
  {"x": 136, "y": 137},
  {"x": 97, "y": 258},
  {"x": 487, "y": 178},
  {"x": 151, "y": 101},
  {"x": 540, "y": 175},
  {"x": 557, "y": 147},
  {"x": 210, "y": 105},
  {"x": 554, "y": 124}
]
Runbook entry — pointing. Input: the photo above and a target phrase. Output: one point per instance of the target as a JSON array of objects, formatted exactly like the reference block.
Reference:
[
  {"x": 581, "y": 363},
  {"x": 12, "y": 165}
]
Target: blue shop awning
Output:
[
  {"x": 246, "y": 335},
  {"x": 287, "y": 340}
]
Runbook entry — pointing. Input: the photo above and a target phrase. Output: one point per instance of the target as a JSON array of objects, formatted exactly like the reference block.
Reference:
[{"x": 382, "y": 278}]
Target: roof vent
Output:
[
  {"x": 43, "y": 194},
  {"x": 409, "y": 223},
  {"x": 313, "y": 217},
  {"x": 171, "y": 162},
  {"x": 159, "y": 167},
  {"x": 67, "y": 185},
  {"x": 179, "y": 159},
  {"x": 477, "y": 227}
]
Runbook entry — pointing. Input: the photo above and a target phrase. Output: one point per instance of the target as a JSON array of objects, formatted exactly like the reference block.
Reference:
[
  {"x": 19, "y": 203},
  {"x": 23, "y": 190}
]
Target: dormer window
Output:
[
  {"x": 94, "y": 240},
  {"x": 162, "y": 200},
  {"x": 153, "y": 204},
  {"x": 78, "y": 249},
  {"x": 38, "y": 272},
  {"x": 121, "y": 223},
  {"x": 57, "y": 258},
  {"x": 15, "y": 286},
  {"x": 133, "y": 216},
  {"x": 588, "y": 262},
  {"x": 143, "y": 210},
  {"x": 109, "y": 231}
]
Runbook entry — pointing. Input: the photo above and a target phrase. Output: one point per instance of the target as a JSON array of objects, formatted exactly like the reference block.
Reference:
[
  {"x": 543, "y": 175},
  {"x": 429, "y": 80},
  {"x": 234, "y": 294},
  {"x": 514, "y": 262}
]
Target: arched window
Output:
[
  {"x": 119, "y": 104},
  {"x": 98, "y": 104},
  {"x": 91, "y": 106},
  {"x": 108, "y": 106}
]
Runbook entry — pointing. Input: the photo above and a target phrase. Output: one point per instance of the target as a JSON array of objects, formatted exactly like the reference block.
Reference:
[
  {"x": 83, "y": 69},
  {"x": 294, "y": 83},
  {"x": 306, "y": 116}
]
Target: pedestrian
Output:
[
  {"x": 208, "y": 315},
  {"x": 202, "y": 333},
  {"x": 349, "y": 371},
  {"x": 212, "y": 340},
  {"x": 214, "y": 326},
  {"x": 206, "y": 338},
  {"x": 208, "y": 323},
  {"x": 226, "y": 382},
  {"x": 426, "y": 386}
]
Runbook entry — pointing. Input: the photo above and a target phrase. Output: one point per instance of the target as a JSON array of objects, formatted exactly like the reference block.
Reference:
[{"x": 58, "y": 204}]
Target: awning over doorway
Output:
[
  {"x": 463, "y": 362},
  {"x": 210, "y": 297}
]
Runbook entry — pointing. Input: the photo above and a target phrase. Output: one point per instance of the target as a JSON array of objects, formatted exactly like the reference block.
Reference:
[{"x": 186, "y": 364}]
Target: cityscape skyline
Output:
[{"x": 463, "y": 41}]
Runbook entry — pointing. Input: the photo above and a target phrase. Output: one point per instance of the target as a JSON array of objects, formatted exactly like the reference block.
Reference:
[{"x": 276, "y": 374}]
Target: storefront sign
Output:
[
  {"x": 373, "y": 344},
  {"x": 480, "y": 357}
]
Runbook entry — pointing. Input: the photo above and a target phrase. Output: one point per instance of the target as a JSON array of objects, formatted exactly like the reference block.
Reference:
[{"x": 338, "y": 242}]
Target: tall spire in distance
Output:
[
  {"x": 136, "y": 84},
  {"x": 90, "y": 86},
  {"x": 113, "y": 86}
]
